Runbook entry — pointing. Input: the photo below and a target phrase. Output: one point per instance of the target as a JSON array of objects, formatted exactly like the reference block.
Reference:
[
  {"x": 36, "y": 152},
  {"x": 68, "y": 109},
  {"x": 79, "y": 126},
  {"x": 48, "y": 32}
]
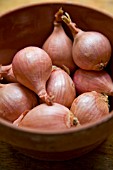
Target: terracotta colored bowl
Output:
[{"x": 31, "y": 26}]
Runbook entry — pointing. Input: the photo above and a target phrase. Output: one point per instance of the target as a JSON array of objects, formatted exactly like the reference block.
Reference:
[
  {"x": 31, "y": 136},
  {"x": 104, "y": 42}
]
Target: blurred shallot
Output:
[{"x": 14, "y": 100}]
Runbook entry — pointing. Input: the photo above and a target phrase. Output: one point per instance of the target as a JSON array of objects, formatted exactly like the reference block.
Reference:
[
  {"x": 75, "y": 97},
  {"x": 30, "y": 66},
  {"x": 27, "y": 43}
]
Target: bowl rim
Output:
[
  {"x": 56, "y": 3},
  {"x": 82, "y": 128}
]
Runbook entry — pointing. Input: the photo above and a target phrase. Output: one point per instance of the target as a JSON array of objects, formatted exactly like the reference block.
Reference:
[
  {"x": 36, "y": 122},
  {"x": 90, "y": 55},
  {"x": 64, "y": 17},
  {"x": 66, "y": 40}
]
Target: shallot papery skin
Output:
[
  {"x": 61, "y": 86},
  {"x": 32, "y": 67},
  {"x": 91, "y": 49},
  {"x": 14, "y": 100},
  {"x": 48, "y": 118},
  {"x": 90, "y": 107},
  {"x": 99, "y": 81},
  {"x": 6, "y": 73},
  {"x": 59, "y": 46}
]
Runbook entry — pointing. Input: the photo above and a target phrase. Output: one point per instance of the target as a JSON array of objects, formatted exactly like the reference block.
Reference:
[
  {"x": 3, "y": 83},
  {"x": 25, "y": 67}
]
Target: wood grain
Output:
[{"x": 99, "y": 159}]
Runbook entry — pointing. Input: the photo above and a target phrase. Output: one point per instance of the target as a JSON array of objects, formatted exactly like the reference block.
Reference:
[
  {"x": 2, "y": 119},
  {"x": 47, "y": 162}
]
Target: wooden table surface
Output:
[{"x": 99, "y": 159}]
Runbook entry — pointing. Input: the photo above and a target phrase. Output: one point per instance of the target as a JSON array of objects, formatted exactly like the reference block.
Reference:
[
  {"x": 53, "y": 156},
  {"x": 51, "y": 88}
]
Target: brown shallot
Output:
[
  {"x": 61, "y": 86},
  {"x": 47, "y": 118},
  {"x": 14, "y": 100},
  {"x": 90, "y": 107},
  {"x": 59, "y": 46},
  {"x": 91, "y": 49},
  {"x": 32, "y": 67},
  {"x": 93, "y": 81}
]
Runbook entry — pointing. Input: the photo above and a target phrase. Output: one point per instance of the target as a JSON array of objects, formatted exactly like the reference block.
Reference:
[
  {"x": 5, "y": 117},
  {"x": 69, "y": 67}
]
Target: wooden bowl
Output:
[{"x": 31, "y": 25}]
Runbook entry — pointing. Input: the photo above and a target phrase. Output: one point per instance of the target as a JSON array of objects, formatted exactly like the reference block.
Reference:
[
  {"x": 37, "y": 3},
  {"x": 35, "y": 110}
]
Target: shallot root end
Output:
[{"x": 76, "y": 121}]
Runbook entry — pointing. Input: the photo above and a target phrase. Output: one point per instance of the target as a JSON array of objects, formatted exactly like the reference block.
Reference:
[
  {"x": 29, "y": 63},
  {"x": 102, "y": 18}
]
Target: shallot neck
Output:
[
  {"x": 48, "y": 99},
  {"x": 58, "y": 16},
  {"x": 72, "y": 26}
]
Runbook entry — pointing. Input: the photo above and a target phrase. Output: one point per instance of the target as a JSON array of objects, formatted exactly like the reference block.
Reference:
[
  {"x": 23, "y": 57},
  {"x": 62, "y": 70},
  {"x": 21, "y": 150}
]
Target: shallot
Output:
[
  {"x": 61, "y": 86},
  {"x": 14, "y": 100},
  {"x": 93, "y": 81},
  {"x": 32, "y": 67},
  {"x": 6, "y": 73},
  {"x": 90, "y": 107},
  {"x": 47, "y": 118},
  {"x": 91, "y": 49},
  {"x": 59, "y": 46}
]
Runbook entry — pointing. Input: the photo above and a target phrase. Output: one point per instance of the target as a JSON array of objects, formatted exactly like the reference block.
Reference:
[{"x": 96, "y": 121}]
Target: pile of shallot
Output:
[{"x": 61, "y": 85}]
